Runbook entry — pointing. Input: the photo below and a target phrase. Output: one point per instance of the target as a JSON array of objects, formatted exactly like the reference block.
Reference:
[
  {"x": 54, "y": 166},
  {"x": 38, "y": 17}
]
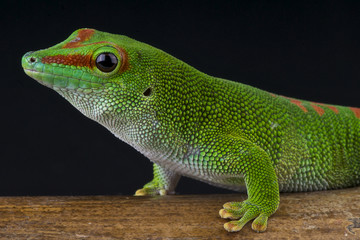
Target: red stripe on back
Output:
[
  {"x": 333, "y": 108},
  {"x": 318, "y": 109},
  {"x": 299, "y": 104},
  {"x": 356, "y": 111}
]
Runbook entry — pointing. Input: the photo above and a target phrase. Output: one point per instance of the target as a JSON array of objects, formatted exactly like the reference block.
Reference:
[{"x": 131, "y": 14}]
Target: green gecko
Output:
[{"x": 227, "y": 134}]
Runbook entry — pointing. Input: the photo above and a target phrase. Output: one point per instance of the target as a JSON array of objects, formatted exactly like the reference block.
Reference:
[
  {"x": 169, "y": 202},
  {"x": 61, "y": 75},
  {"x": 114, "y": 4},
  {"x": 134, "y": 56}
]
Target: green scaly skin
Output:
[{"x": 188, "y": 123}]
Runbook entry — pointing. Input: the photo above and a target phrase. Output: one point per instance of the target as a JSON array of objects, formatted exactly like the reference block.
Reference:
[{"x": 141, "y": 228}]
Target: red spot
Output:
[
  {"x": 77, "y": 60},
  {"x": 356, "y": 111},
  {"x": 318, "y": 109},
  {"x": 83, "y": 35}
]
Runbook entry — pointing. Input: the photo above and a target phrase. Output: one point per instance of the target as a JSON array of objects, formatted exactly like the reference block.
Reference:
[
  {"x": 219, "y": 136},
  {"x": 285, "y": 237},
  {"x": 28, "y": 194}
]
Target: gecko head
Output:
[{"x": 99, "y": 73}]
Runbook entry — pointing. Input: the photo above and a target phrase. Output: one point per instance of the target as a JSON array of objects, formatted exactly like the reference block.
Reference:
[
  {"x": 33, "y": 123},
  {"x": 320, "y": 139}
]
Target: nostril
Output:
[{"x": 29, "y": 60}]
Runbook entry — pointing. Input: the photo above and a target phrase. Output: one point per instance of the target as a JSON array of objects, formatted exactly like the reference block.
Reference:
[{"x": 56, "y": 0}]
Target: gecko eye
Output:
[{"x": 106, "y": 62}]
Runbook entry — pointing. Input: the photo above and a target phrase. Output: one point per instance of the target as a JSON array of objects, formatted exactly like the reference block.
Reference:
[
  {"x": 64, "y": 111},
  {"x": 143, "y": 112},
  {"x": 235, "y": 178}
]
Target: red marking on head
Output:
[
  {"x": 83, "y": 35},
  {"x": 85, "y": 60},
  {"x": 333, "y": 108},
  {"x": 356, "y": 111},
  {"x": 318, "y": 109},
  {"x": 125, "y": 65},
  {"x": 77, "y": 60}
]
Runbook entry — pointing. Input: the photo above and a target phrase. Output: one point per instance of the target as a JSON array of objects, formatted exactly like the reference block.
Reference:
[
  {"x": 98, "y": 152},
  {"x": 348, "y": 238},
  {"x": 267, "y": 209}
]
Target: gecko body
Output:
[{"x": 191, "y": 124}]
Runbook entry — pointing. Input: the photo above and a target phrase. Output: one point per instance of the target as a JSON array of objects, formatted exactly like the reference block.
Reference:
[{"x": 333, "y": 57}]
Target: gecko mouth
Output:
[
  {"x": 58, "y": 81},
  {"x": 60, "y": 77},
  {"x": 38, "y": 76}
]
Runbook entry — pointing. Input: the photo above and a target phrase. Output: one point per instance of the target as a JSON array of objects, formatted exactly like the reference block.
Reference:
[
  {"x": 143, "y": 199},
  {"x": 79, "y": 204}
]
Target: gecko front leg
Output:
[{"x": 163, "y": 183}]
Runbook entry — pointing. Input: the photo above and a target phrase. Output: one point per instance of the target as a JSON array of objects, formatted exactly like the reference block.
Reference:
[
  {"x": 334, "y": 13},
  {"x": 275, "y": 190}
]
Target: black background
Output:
[{"x": 303, "y": 49}]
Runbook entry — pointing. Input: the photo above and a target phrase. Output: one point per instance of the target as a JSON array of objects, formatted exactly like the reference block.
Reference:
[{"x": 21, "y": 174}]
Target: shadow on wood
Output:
[{"x": 317, "y": 215}]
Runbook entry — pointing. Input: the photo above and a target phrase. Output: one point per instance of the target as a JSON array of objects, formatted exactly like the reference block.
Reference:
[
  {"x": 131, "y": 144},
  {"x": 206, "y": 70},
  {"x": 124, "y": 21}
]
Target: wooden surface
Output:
[{"x": 317, "y": 215}]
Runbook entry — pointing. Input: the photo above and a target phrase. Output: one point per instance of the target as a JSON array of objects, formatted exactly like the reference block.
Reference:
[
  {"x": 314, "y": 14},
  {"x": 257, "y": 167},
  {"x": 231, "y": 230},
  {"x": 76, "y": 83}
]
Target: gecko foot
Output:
[
  {"x": 245, "y": 211},
  {"x": 150, "y": 192}
]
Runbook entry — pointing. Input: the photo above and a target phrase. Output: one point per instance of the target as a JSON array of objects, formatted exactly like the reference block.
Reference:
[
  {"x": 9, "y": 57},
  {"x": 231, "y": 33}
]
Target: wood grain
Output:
[{"x": 316, "y": 215}]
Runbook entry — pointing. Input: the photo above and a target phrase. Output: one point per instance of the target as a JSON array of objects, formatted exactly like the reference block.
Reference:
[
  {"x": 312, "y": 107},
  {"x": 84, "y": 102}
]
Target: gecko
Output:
[{"x": 188, "y": 123}]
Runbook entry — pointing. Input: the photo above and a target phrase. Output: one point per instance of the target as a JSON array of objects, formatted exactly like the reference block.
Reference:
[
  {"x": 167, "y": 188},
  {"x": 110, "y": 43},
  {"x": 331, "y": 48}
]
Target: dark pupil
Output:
[{"x": 106, "y": 62}]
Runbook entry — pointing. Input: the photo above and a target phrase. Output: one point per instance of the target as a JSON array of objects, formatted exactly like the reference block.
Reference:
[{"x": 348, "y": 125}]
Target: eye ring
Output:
[{"x": 106, "y": 62}]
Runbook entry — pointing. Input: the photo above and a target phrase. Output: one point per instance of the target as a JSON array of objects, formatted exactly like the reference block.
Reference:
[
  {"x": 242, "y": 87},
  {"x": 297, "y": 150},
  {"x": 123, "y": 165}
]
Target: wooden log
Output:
[{"x": 316, "y": 215}]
